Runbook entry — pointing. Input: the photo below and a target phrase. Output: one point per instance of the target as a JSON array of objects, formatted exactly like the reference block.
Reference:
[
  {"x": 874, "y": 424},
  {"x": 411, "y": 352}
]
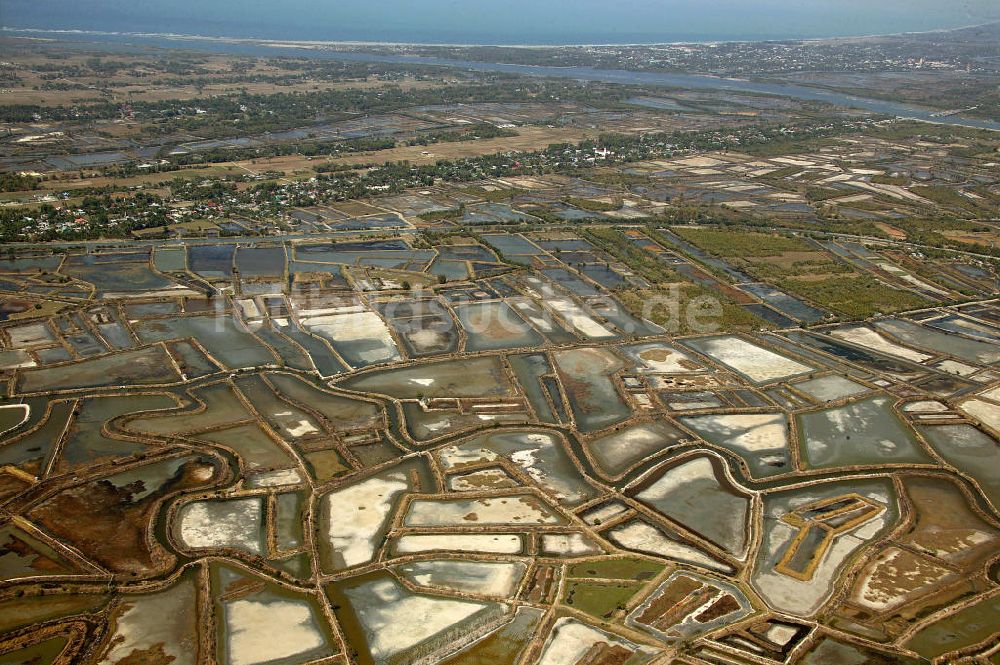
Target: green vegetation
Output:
[
  {"x": 928, "y": 232},
  {"x": 18, "y": 182},
  {"x": 854, "y": 297},
  {"x": 624, "y": 568},
  {"x": 817, "y": 277},
  {"x": 442, "y": 215},
  {"x": 600, "y": 599},
  {"x": 216, "y": 116},
  {"x": 804, "y": 268},
  {"x": 689, "y": 309},
  {"x": 619, "y": 178},
  {"x": 482, "y": 130},
  {"x": 890, "y": 180},
  {"x": 672, "y": 301},
  {"x": 817, "y": 194},
  {"x": 742, "y": 244},
  {"x": 615, "y": 243},
  {"x": 782, "y": 173},
  {"x": 946, "y": 196}
]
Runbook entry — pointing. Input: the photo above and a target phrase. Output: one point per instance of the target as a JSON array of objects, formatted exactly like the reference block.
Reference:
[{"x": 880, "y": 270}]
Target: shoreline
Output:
[{"x": 326, "y": 44}]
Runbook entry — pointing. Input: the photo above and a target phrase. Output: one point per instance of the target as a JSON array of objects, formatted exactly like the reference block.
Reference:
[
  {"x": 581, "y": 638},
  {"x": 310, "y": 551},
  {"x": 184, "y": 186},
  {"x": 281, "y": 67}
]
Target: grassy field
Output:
[
  {"x": 802, "y": 269},
  {"x": 741, "y": 244},
  {"x": 673, "y": 302},
  {"x": 599, "y": 599},
  {"x": 689, "y": 309},
  {"x": 855, "y": 296}
]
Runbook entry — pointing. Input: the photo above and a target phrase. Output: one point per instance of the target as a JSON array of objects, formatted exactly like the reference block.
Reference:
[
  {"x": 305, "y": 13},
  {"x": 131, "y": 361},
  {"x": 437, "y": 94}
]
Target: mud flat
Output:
[
  {"x": 485, "y": 479},
  {"x": 19, "y": 358},
  {"x": 967, "y": 627},
  {"x": 86, "y": 441},
  {"x": 576, "y": 317},
  {"x": 698, "y": 495},
  {"x": 972, "y": 452},
  {"x": 383, "y": 618},
  {"x": 865, "y": 432},
  {"x": 860, "y": 355},
  {"x": 494, "y": 325},
  {"x": 830, "y": 388},
  {"x": 291, "y": 422},
  {"x": 523, "y": 510},
  {"x": 164, "y": 622},
  {"x": 354, "y": 519},
  {"x": 141, "y": 367},
  {"x": 803, "y": 589},
  {"x": 46, "y": 651},
  {"x": 586, "y": 376},
  {"x": 620, "y": 451},
  {"x": 424, "y": 423},
  {"x": 29, "y": 335},
  {"x": 504, "y": 646},
  {"x": 542, "y": 320},
  {"x": 512, "y": 244},
  {"x": 541, "y": 455},
  {"x": 317, "y": 349},
  {"x": 128, "y": 279},
  {"x": 657, "y": 357},
  {"x": 229, "y": 523},
  {"x": 221, "y": 408},
  {"x": 530, "y": 369},
  {"x": 475, "y": 377},
  {"x": 256, "y": 449},
  {"x": 761, "y": 440},
  {"x": 341, "y": 412},
  {"x": 640, "y": 536},
  {"x": 868, "y": 338},
  {"x": 482, "y": 543},
  {"x": 571, "y": 640},
  {"x": 361, "y": 338},
  {"x": 170, "y": 259},
  {"x": 568, "y": 545},
  {"x": 296, "y": 631},
  {"x": 221, "y": 336},
  {"x": 32, "y": 449},
  {"x": 940, "y": 342},
  {"x": 828, "y": 650},
  {"x": 486, "y": 578},
  {"x": 427, "y": 335},
  {"x": 24, "y": 555},
  {"x": 988, "y": 413},
  {"x": 754, "y": 362}
]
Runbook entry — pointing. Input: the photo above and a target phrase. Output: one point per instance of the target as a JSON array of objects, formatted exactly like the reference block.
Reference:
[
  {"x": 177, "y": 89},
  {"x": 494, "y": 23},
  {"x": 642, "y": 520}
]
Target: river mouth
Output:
[{"x": 617, "y": 76}]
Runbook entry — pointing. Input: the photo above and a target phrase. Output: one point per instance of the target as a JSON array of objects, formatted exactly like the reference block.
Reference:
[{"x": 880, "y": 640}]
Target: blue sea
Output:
[{"x": 543, "y": 22}]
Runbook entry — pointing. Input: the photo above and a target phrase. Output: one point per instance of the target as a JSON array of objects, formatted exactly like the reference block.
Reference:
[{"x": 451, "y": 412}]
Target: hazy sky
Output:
[{"x": 509, "y": 21}]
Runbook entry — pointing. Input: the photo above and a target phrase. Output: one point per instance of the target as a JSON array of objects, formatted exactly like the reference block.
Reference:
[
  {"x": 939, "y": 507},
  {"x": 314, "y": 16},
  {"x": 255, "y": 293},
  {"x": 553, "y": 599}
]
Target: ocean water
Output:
[{"x": 500, "y": 21}]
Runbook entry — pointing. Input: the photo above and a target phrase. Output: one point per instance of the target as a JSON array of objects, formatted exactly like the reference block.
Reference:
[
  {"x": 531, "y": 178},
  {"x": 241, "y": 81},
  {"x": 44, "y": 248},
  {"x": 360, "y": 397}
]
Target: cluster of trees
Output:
[
  {"x": 18, "y": 182},
  {"x": 854, "y": 296},
  {"x": 734, "y": 244},
  {"x": 751, "y": 138},
  {"x": 482, "y": 130}
]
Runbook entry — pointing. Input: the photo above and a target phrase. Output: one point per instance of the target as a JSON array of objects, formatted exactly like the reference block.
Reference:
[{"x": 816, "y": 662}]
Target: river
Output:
[{"x": 623, "y": 77}]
